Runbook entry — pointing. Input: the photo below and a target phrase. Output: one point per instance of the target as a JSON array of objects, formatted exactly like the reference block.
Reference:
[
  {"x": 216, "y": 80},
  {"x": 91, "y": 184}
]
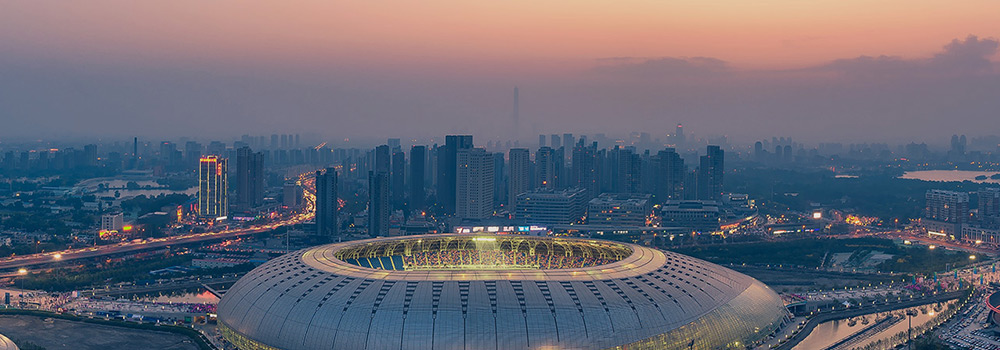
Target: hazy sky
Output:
[{"x": 818, "y": 70}]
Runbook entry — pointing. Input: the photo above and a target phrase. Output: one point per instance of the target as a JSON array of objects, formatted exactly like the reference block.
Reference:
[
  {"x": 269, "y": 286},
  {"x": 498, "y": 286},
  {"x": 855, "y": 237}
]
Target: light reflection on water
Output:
[{"x": 830, "y": 332}]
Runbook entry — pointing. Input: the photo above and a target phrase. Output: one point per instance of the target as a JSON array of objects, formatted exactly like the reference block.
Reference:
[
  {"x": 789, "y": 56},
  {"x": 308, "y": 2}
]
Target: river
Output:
[
  {"x": 830, "y": 332},
  {"x": 950, "y": 175}
]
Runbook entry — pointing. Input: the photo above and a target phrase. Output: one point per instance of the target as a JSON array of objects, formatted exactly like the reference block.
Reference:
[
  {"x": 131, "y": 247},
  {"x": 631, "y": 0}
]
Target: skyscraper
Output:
[
  {"x": 213, "y": 198},
  {"x": 626, "y": 170},
  {"x": 585, "y": 169},
  {"x": 327, "y": 205},
  {"x": 519, "y": 178},
  {"x": 378, "y": 203},
  {"x": 669, "y": 178},
  {"x": 545, "y": 168},
  {"x": 447, "y": 169},
  {"x": 517, "y": 115},
  {"x": 398, "y": 178},
  {"x": 499, "y": 185},
  {"x": 249, "y": 179},
  {"x": 679, "y": 137},
  {"x": 418, "y": 161},
  {"x": 474, "y": 184},
  {"x": 383, "y": 160},
  {"x": 710, "y": 173}
]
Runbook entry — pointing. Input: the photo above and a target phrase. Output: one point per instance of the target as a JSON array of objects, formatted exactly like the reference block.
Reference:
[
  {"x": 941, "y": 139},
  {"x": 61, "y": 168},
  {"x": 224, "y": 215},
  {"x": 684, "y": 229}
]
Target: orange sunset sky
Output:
[{"x": 382, "y": 59}]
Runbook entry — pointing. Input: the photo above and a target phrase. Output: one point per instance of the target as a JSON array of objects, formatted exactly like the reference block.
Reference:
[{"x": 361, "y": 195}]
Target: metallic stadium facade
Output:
[{"x": 495, "y": 292}]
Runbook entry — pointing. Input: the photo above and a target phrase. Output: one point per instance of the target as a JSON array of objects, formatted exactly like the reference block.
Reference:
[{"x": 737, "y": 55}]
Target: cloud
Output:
[
  {"x": 959, "y": 57},
  {"x": 662, "y": 66}
]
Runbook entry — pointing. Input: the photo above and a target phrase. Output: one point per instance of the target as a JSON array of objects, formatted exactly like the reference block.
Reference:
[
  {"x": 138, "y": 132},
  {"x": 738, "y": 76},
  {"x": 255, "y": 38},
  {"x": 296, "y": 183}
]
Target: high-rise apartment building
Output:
[
  {"x": 584, "y": 168},
  {"x": 945, "y": 212},
  {"x": 398, "y": 174},
  {"x": 669, "y": 175},
  {"x": 447, "y": 168},
  {"x": 249, "y": 179},
  {"x": 378, "y": 203},
  {"x": 474, "y": 184},
  {"x": 545, "y": 168},
  {"x": 213, "y": 196},
  {"x": 418, "y": 161},
  {"x": 519, "y": 175},
  {"x": 710, "y": 174},
  {"x": 327, "y": 204}
]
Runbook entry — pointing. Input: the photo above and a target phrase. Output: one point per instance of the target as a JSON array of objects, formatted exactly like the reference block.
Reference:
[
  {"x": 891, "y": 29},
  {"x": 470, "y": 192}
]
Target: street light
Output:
[{"x": 22, "y": 272}]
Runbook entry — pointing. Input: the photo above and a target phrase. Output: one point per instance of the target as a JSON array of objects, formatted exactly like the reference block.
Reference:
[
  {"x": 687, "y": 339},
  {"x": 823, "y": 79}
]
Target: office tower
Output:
[
  {"x": 554, "y": 141},
  {"x": 398, "y": 178},
  {"x": 545, "y": 168},
  {"x": 519, "y": 178},
  {"x": 669, "y": 178},
  {"x": 393, "y": 143},
  {"x": 474, "y": 184},
  {"x": 327, "y": 204},
  {"x": 378, "y": 203},
  {"x": 541, "y": 141},
  {"x": 447, "y": 168},
  {"x": 710, "y": 173},
  {"x": 758, "y": 151},
  {"x": 418, "y": 161},
  {"x": 584, "y": 168},
  {"x": 249, "y": 179},
  {"x": 213, "y": 198},
  {"x": 135, "y": 152}
]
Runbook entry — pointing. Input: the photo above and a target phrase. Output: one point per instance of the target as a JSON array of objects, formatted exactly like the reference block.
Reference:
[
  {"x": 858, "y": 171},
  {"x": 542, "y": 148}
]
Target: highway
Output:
[{"x": 25, "y": 261}]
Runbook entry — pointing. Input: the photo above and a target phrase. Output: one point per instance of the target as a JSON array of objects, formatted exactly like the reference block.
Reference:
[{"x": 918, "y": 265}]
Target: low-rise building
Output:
[
  {"x": 699, "y": 216},
  {"x": 547, "y": 206},
  {"x": 620, "y": 209}
]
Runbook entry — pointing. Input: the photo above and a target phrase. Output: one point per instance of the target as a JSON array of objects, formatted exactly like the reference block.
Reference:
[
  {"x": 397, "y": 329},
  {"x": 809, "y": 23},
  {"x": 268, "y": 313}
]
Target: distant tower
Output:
[
  {"x": 679, "y": 135},
  {"x": 517, "y": 115},
  {"x": 213, "y": 199}
]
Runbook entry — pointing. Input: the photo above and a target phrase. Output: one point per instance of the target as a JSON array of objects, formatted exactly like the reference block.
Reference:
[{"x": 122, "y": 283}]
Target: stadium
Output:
[{"x": 462, "y": 291}]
